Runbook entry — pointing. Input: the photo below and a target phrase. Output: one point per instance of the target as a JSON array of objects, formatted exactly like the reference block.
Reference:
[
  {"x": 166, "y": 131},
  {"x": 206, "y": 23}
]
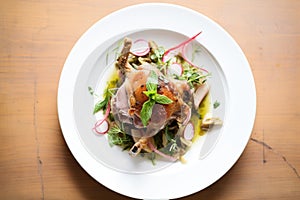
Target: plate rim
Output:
[{"x": 103, "y": 178}]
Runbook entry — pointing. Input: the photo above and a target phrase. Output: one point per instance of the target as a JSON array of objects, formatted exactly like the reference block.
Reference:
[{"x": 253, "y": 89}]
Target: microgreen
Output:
[
  {"x": 157, "y": 55},
  {"x": 91, "y": 91},
  {"x": 216, "y": 104},
  {"x": 116, "y": 136},
  {"x": 192, "y": 75}
]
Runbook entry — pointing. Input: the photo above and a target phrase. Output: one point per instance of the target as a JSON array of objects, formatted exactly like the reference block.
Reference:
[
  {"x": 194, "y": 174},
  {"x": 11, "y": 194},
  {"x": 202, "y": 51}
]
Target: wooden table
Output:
[{"x": 35, "y": 39}]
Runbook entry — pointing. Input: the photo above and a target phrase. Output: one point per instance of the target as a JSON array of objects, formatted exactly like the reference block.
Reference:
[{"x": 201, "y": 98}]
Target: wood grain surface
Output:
[{"x": 35, "y": 39}]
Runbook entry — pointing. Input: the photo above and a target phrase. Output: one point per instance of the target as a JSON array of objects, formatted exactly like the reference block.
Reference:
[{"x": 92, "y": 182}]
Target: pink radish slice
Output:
[
  {"x": 175, "y": 69},
  {"x": 161, "y": 153},
  {"x": 166, "y": 57},
  {"x": 188, "y": 61},
  {"x": 189, "y": 131},
  {"x": 101, "y": 127},
  {"x": 169, "y": 55},
  {"x": 199, "y": 94},
  {"x": 140, "y": 47}
]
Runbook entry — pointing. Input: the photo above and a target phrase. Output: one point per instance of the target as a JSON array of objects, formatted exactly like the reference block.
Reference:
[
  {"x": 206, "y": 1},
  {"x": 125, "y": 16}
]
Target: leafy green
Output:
[
  {"x": 153, "y": 96},
  {"x": 216, "y": 104},
  {"x": 91, "y": 91},
  {"x": 157, "y": 55},
  {"x": 146, "y": 111},
  {"x": 152, "y": 82},
  {"x": 192, "y": 75},
  {"x": 173, "y": 147},
  {"x": 162, "y": 99},
  {"x": 116, "y": 136},
  {"x": 108, "y": 93},
  {"x": 100, "y": 105}
]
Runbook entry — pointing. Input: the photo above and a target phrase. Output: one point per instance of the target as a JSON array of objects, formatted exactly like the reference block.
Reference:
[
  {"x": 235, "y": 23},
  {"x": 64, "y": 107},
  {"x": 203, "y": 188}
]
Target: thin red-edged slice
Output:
[
  {"x": 166, "y": 56},
  {"x": 175, "y": 69},
  {"x": 189, "y": 131},
  {"x": 140, "y": 47},
  {"x": 173, "y": 159},
  {"x": 101, "y": 127},
  {"x": 188, "y": 61}
]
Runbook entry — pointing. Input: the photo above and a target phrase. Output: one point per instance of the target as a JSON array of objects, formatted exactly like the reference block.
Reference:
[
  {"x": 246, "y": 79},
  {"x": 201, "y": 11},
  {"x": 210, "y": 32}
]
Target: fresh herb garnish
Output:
[
  {"x": 174, "y": 147},
  {"x": 109, "y": 91},
  {"x": 216, "y": 104},
  {"x": 192, "y": 75},
  {"x": 157, "y": 55},
  {"x": 116, "y": 136},
  {"x": 153, "y": 96},
  {"x": 102, "y": 104},
  {"x": 91, "y": 91},
  {"x": 146, "y": 111}
]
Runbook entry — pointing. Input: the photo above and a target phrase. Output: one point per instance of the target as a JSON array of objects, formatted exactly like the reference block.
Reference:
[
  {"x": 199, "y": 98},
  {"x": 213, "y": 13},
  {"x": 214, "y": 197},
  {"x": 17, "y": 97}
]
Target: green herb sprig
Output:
[
  {"x": 216, "y": 104},
  {"x": 153, "y": 96},
  {"x": 116, "y": 136},
  {"x": 109, "y": 91},
  {"x": 157, "y": 55},
  {"x": 102, "y": 105},
  {"x": 192, "y": 75}
]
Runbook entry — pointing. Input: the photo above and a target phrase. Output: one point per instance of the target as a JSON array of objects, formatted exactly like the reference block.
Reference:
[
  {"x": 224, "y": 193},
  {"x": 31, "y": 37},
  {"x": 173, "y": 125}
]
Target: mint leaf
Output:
[
  {"x": 100, "y": 105},
  {"x": 162, "y": 99},
  {"x": 150, "y": 93},
  {"x": 146, "y": 111},
  {"x": 152, "y": 81},
  {"x": 151, "y": 85},
  {"x": 216, "y": 104}
]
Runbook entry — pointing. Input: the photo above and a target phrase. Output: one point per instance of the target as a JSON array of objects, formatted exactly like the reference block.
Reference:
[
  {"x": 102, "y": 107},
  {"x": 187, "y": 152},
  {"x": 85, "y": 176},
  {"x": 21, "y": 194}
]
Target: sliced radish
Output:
[
  {"x": 199, "y": 94},
  {"x": 140, "y": 47},
  {"x": 167, "y": 57},
  {"x": 175, "y": 69},
  {"x": 101, "y": 127},
  {"x": 188, "y": 61},
  {"x": 171, "y": 158},
  {"x": 189, "y": 131}
]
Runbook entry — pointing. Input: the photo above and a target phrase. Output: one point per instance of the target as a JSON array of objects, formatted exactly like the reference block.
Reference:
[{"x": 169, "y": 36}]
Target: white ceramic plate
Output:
[{"x": 231, "y": 84}]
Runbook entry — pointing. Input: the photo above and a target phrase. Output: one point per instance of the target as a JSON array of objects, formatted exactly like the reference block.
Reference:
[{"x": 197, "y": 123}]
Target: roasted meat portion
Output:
[
  {"x": 127, "y": 103},
  {"x": 130, "y": 97}
]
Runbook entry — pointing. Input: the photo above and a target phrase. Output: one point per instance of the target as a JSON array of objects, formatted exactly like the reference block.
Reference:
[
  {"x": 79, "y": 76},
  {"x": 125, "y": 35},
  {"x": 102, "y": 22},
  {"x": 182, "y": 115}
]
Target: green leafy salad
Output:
[{"x": 156, "y": 102}]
